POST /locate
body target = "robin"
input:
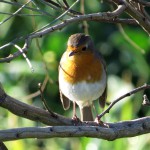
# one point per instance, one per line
(82, 75)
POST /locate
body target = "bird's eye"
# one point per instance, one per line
(84, 48)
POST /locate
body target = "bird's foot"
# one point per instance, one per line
(76, 120)
(101, 123)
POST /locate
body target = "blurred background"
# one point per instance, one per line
(128, 66)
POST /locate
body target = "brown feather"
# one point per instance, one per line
(81, 69)
(102, 98)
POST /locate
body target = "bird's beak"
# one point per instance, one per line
(72, 53)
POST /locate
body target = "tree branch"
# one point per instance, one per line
(15, 12)
(2, 146)
(134, 12)
(35, 113)
(111, 131)
(31, 112)
(115, 131)
(88, 129)
(90, 17)
(143, 2)
(26, 7)
(16, 54)
(102, 17)
(111, 17)
(123, 96)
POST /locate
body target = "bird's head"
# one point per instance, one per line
(79, 44)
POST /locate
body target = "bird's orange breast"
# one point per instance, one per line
(81, 67)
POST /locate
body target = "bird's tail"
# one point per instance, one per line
(86, 113)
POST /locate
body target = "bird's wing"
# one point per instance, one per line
(102, 98)
(65, 101)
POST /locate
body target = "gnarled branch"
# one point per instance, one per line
(136, 13)
(114, 131)
(101, 17)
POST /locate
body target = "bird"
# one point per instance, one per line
(82, 75)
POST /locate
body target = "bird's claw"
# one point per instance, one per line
(76, 120)
(101, 123)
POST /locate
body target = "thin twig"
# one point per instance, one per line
(143, 2)
(73, 20)
(16, 12)
(31, 112)
(26, 7)
(66, 11)
(145, 86)
(66, 3)
(41, 52)
(16, 54)
(85, 24)
(44, 101)
(25, 56)
(143, 21)
(37, 93)
(101, 17)
(26, 15)
(52, 4)
(45, 65)
(96, 16)
(41, 9)
(58, 18)
(130, 40)
(55, 5)
(108, 17)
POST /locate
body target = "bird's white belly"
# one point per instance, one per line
(82, 93)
